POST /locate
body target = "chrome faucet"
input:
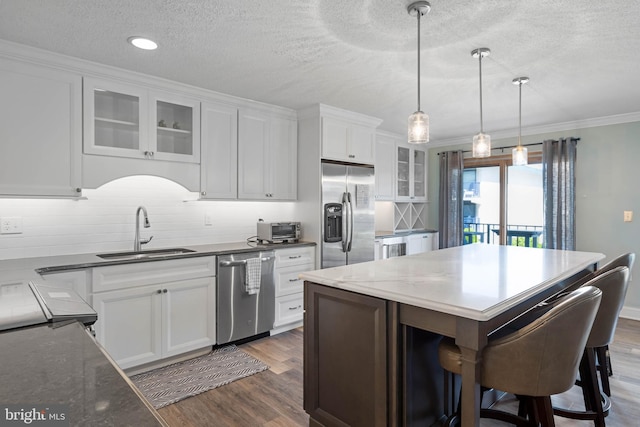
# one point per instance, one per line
(137, 242)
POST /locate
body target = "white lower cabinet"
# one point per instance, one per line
(159, 318)
(289, 288)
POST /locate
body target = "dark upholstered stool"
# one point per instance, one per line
(536, 361)
(602, 353)
(613, 284)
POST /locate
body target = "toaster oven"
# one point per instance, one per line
(278, 232)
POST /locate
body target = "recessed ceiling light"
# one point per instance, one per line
(142, 43)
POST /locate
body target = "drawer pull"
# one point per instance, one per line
(295, 257)
(295, 308)
(294, 280)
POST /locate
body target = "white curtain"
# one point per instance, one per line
(558, 171)
(450, 208)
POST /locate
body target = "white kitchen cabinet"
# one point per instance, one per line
(41, 131)
(419, 242)
(289, 288)
(79, 281)
(219, 152)
(385, 166)
(411, 173)
(175, 127)
(154, 310)
(349, 142)
(267, 156)
(126, 120)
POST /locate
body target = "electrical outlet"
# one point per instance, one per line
(11, 225)
(628, 216)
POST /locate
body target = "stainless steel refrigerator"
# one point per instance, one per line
(348, 230)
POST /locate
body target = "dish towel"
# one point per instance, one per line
(252, 276)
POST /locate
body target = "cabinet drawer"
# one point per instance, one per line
(289, 309)
(287, 281)
(295, 256)
(153, 272)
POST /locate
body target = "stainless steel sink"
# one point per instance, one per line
(145, 254)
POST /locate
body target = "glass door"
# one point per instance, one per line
(114, 118)
(175, 128)
(502, 203)
(481, 205)
(525, 206)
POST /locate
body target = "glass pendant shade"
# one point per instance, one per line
(418, 128)
(519, 156)
(481, 145)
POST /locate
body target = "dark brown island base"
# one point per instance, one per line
(371, 330)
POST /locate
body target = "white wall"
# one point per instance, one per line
(105, 221)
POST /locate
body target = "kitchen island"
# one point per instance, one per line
(372, 329)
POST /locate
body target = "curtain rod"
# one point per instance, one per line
(509, 146)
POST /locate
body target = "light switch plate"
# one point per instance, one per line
(628, 216)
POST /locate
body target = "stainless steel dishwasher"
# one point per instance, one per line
(240, 314)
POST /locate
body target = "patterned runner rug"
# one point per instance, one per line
(172, 383)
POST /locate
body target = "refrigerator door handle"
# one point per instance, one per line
(350, 219)
(345, 224)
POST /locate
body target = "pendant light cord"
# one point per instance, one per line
(480, 67)
(418, 13)
(519, 114)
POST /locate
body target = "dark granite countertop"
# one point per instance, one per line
(28, 268)
(63, 365)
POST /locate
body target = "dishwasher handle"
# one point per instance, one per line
(240, 262)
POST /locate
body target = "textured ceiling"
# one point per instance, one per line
(361, 54)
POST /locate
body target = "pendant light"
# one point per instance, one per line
(519, 153)
(481, 141)
(418, 132)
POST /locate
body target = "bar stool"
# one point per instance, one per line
(602, 353)
(613, 284)
(536, 361)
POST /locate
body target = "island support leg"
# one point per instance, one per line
(470, 396)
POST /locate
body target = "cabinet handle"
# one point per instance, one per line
(294, 280)
(164, 291)
(78, 190)
(159, 291)
(295, 257)
(295, 308)
(204, 193)
(352, 156)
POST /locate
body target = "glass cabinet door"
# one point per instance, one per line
(411, 180)
(403, 173)
(419, 181)
(114, 116)
(175, 128)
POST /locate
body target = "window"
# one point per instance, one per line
(503, 204)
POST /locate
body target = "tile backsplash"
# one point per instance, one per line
(104, 220)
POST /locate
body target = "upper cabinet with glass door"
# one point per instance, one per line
(411, 173)
(130, 121)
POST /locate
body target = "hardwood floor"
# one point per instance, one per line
(273, 398)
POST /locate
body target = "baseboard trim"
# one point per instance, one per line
(630, 313)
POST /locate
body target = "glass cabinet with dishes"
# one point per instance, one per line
(411, 173)
(130, 121)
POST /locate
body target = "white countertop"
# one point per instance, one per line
(476, 281)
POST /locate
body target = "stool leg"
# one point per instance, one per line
(593, 387)
(604, 367)
(544, 411)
